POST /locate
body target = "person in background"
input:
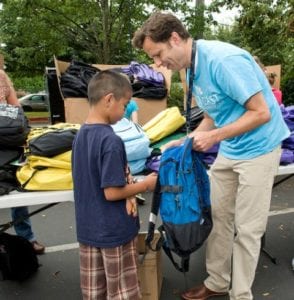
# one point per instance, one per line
(132, 111)
(104, 192)
(24, 229)
(277, 93)
(271, 78)
(258, 61)
(242, 114)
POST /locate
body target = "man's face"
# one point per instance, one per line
(169, 54)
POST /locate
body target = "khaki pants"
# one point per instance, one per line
(240, 195)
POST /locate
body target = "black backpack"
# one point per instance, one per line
(14, 126)
(18, 260)
(52, 143)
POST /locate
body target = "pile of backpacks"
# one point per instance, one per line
(14, 129)
(48, 158)
(44, 153)
(168, 125)
(137, 144)
(146, 82)
(287, 156)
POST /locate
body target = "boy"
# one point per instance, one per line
(106, 214)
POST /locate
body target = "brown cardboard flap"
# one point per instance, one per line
(277, 70)
(141, 241)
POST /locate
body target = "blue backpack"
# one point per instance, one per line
(182, 195)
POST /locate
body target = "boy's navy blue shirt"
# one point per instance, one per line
(99, 161)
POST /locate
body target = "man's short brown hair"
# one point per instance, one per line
(159, 27)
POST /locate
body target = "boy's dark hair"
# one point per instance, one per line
(159, 27)
(106, 82)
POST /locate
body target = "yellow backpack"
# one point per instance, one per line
(46, 174)
(43, 172)
(164, 124)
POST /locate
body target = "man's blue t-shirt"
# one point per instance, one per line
(99, 161)
(225, 78)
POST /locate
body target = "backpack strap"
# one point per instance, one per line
(189, 92)
(36, 168)
(153, 217)
(184, 266)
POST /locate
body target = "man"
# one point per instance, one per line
(242, 114)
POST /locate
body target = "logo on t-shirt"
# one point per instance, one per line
(205, 101)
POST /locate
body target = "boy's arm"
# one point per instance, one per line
(118, 193)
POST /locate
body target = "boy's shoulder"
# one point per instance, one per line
(99, 132)
(97, 128)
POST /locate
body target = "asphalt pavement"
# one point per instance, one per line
(58, 277)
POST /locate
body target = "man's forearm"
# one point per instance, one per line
(249, 121)
(206, 124)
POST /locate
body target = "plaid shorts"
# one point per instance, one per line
(109, 273)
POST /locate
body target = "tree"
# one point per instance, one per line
(264, 28)
(35, 30)
(96, 31)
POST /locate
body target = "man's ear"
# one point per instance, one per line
(175, 38)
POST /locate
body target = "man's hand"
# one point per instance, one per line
(203, 140)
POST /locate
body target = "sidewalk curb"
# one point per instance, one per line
(39, 120)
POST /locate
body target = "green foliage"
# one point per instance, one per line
(176, 96)
(28, 84)
(264, 29)
(288, 91)
(37, 114)
(33, 31)
(87, 30)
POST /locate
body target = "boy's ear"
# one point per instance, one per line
(108, 98)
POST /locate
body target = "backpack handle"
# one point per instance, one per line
(153, 217)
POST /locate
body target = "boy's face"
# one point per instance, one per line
(118, 107)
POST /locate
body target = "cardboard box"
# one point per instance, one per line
(76, 109)
(150, 270)
(277, 70)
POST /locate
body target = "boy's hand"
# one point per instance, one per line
(150, 181)
(131, 206)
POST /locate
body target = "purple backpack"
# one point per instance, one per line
(288, 115)
(142, 72)
(287, 157)
(210, 155)
(153, 163)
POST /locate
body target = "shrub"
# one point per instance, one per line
(176, 96)
(288, 92)
(32, 84)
